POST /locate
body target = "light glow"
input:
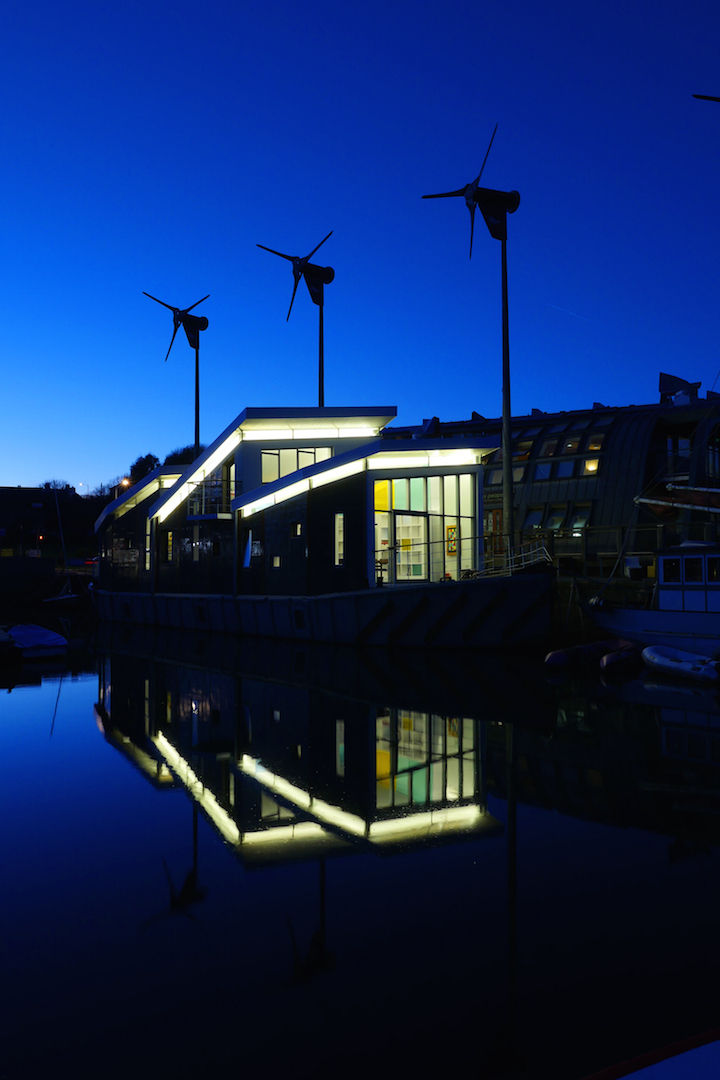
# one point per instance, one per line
(198, 475)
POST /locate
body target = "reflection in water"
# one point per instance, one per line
(411, 865)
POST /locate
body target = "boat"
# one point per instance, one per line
(684, 610)
(680, 664)
(28, 641)
(318, 524)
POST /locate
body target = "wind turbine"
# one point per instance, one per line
(468, 192)
(316, 278)
(494, 207)
(706, 97)
(192, 325)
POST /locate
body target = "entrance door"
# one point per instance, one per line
(411, 547)
(493, 530)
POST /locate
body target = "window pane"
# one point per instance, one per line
(400, 495)
(322, 453)
(549, 448)
(555, 517)
(542, 470)
(580, 517)
(437, 548)
(590, 466)
(533, 518)
(522, 449)
(434, 495)
(305, 458)
(288, 461)
(382, 494)
(595, 441)
(417, 493)
(270, 466)
(518, 473)
(494, 476)
(467, 493)
(450, 491)
(694, 570)
(570, 445)
(670, 569)
(565, 469)
(713, 568)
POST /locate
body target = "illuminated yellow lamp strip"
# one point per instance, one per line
(169, 481)
(427, 823)
(284, 834)
(339, 473)
(411, 460)
(202, 795)
(358, 432)
(454, 457)
(267, 434)
(330, 815)
(208, 466)
(317, 433)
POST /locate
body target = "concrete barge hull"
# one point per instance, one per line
(490, 612)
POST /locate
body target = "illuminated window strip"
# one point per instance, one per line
(202, 795)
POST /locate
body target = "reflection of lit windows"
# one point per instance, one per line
(169, 547)
(518, 473)
(533, 518)
(713, 568)
(589, 466)
(549, 448)
(596, 440)
(494, 476)
(543, 470)
(278, 463)
(555, 517)
(276, 561)
(570, 445)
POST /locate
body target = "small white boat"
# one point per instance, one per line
(28, 641)
(677, 663)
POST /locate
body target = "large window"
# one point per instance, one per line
(425, 527)
(279, 463)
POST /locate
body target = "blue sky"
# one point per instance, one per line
(151, 147)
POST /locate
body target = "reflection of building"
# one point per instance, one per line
(317, 513)
(286, 771)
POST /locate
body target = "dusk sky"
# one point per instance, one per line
(151, 147)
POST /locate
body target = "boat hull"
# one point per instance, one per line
(691, 631)
(497, 612)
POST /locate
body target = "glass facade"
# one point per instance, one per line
(425, 528)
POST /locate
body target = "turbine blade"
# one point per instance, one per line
(308, 257)
(292, 298)
(274, 252)
(185, 310)
(472, 227)
(172, 339)
(706, 97)
(444, 194)
(477, 178)
(160, 301)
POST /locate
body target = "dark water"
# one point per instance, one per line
(219, 860)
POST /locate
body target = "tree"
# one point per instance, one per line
(142, 466)
(185, 455)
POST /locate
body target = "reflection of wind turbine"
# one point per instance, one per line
(469, 192)
(318, 958)
(189, 892)
(192, 325)
(316, 278)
